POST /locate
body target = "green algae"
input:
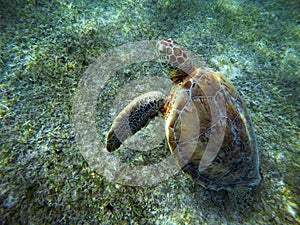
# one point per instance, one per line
(44, 178)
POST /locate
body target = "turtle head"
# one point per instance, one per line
(171, 53)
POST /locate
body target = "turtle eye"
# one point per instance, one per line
(170, 42)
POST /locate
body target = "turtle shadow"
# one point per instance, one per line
(236, 205)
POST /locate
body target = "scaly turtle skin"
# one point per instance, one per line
(207, 126)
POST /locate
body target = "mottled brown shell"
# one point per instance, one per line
(207, 125)
(210, 133)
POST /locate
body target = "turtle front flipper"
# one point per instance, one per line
(134, 117)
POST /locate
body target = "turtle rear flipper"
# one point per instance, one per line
(134, 117)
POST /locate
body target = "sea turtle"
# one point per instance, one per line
(207, 126)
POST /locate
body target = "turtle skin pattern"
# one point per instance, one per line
(133, 117)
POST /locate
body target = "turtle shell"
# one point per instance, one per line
(210, 133)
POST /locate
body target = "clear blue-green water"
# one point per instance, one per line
(46, 47)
